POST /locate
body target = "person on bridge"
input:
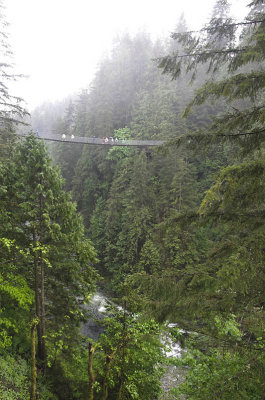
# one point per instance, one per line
(63, 136)
(72, 136)
(106, 140)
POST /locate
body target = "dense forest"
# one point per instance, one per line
(173, 235)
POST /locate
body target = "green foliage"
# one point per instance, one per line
(117, 153)
(215, 47)
(228, 326)
(49, 214)
(14, 382)
(128, 358)
(15, 294)
(13, 378)
(68, 364)
(63, 153)
(184, 231)
(221, 372)
(223, 291)
(43, 250)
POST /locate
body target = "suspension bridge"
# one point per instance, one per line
(110, 141)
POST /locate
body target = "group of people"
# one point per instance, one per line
(64, 136)
(106, 140)
(110, 140)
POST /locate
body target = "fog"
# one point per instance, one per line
(59, 43)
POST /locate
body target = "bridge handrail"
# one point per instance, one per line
(97, 141)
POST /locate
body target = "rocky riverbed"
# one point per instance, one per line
(173, 377)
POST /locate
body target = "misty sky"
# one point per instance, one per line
(59, 43)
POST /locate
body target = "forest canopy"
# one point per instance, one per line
(173, 235)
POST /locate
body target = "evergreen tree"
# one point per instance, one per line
(242, 122)
(11, 107)
(43, 220)
(15, 297)
(219, 292)
(65, 154)
(229, 125)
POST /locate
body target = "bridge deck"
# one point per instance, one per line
(98, 141)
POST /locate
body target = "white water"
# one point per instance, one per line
(98, 310)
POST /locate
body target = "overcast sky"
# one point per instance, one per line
(59, 43)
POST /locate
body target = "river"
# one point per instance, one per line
(173, 376)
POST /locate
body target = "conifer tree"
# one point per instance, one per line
(219, 294)
(44, 221)
(64, 154)
(242, 122)
(11, 107)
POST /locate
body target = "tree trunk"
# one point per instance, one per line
(120, 389)
(90, 373)
(43, 343)
(105, 382)
(43, 346)
(124, 329)
(36, 287)
(33, 361)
